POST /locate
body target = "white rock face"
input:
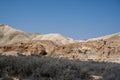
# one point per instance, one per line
(105, 37)
(11, 35)
(6, 29)
(54, 37)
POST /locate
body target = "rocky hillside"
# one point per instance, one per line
(9, 35)
(102, 50)
(16, 42)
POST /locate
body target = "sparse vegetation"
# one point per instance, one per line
(48, 68)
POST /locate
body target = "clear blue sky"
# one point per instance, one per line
(78, 19)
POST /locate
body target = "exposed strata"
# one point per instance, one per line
(16, 42)
(92, 50)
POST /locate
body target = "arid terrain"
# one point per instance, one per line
(25, 56)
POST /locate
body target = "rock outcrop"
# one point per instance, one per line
(37, 47)
(9, 35)
(16, 42)
(58, 38)
(23, 48)
(102, 49)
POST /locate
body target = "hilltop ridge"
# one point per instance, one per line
(16, 42)
(10, 35)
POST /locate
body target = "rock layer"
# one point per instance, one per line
(16, 42)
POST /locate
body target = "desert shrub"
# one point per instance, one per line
(49, 68)
(7, 78)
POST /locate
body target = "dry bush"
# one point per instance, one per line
(48, 68)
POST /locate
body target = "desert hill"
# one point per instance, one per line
(115, 36)
(16, 42)
(25, 56)
(10, 35)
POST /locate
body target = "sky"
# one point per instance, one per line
(78, 19)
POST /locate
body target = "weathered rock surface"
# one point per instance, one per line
(23, 48)
(37, 47)
(96, 50)
(16, 42)
(59, 39)
(9, 35)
